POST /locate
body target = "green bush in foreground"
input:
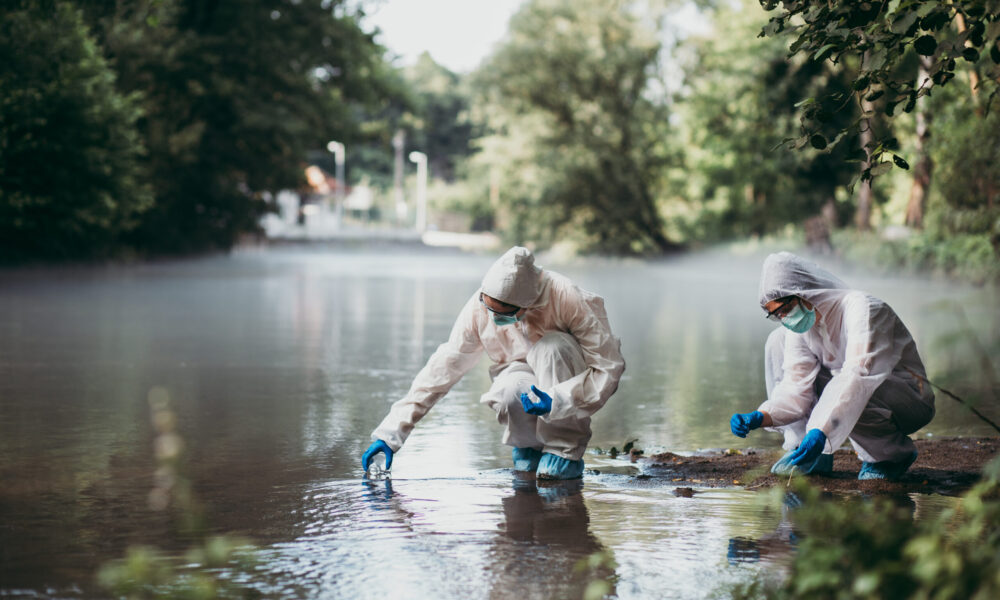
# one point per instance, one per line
(148, 573)
(873, 548)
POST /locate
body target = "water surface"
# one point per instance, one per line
(279, 363)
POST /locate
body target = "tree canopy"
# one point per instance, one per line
(70, 175)
(877, 38)
(569, 103)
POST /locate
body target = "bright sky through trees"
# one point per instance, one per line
(457, 33)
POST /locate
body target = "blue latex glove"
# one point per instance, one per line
(376, 447)
(809, 449)
(742, 423)
(542, 407)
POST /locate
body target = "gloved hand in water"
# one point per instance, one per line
(376, 447)
(809, 449)
(542, 407)
(742, 423)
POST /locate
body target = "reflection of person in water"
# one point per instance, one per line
(785, 538)
(778, 544)
(546, 533)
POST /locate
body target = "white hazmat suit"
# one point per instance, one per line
(855, 374)
(563, 344)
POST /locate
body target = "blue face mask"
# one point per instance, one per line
(799, 319)
(502, 320)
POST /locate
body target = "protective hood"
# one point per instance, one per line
(514, 278)
(785, 274)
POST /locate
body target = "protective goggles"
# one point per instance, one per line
(782, 310)
(497, 312)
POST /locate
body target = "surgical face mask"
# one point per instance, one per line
(502, 320)
(799, 319)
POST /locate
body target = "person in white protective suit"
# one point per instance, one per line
(555, 363)
(843, 366)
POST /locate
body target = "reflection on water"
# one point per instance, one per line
(279, 364)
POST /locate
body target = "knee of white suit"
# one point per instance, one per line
(555, 358)
(505, 393)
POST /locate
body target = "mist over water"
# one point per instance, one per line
(279, 363)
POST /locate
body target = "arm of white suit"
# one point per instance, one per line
(584, 394)
(446, 366)
(870, 357)
(793, 396)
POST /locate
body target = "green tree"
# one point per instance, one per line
(236, 94)
(577, 130)
(443, 129)
(878, 35)
(738, 105)
(71, 182)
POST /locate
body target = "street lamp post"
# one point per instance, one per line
(421, 159)
(339, 151)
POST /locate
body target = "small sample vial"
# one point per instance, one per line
(376, 468)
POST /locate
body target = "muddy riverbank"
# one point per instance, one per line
(944, 466)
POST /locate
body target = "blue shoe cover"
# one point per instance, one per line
(557, 467)
(526, 459)
(823, 465)
(886, 469)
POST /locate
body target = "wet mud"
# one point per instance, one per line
(946, 466)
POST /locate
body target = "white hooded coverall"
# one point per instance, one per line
(855, 374)
(563, 344)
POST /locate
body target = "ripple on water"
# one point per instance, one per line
(489, 535)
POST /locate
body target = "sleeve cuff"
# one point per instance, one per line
(562, 406)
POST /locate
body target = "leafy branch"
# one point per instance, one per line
(877, 37)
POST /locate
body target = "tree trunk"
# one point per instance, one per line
(863, 212)
(973, 72)
(923, 167)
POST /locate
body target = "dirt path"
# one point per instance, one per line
(944, 466)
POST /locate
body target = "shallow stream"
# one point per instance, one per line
(279, 363)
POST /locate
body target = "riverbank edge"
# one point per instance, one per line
(947, 466)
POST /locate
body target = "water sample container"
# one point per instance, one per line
(376, 468)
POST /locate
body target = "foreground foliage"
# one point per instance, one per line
(874, 548)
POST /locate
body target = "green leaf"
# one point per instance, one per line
(902, 24)
(941, 77)
(824, 52)
(877, 60)
(970, 54)
(881, 168)
(925, 45)
(773, 27)
(995, 52)
(857, 155)
(818, 141)
(797, 44)
(861, 83)
(902, 164)
(935, 20)
(874, 95)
